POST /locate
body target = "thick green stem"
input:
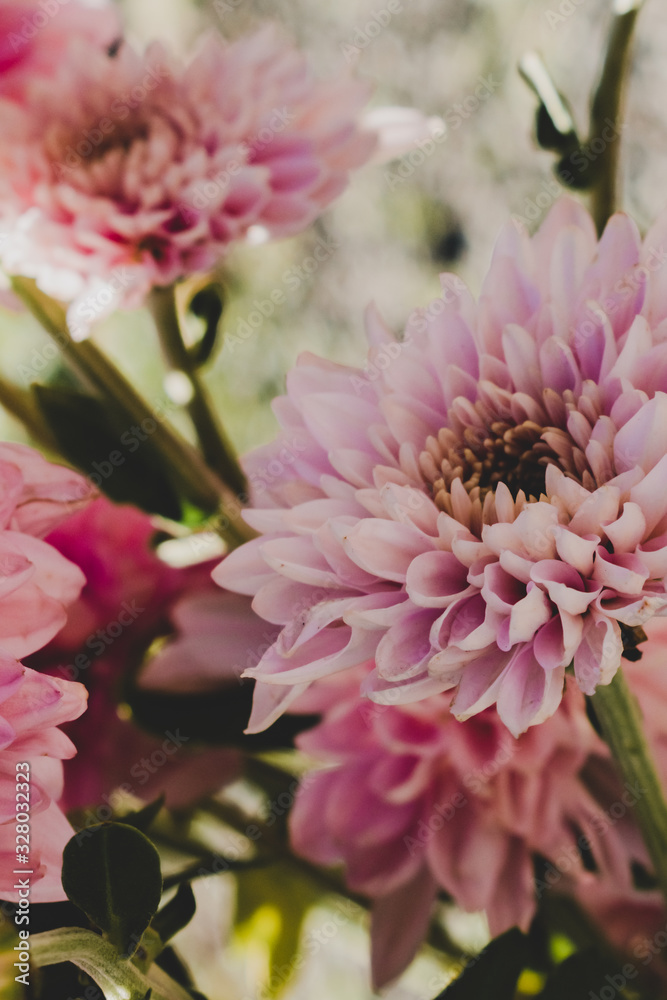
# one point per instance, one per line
(116, 977)
(607, 110)
(216, 449)
(622, 725)
(199, 484)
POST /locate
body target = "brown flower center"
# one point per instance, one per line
(482, 457)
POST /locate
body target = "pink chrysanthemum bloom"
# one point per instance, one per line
(486, 502)
(416, 802)
(34, 34)
(32, 706)
(132, 171)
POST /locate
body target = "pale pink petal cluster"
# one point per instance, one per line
(132, 170)
(35, 35)
(485, 503)
(32, 706)
(36, 585)
(413, 802)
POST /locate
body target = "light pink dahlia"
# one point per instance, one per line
(413, 802)
(36, 582)
(35, 34)
(32, 706)
(486, 502)
(132, 170)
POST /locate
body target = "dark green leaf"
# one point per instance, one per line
(494, 973)
(584, 973)
(119, 460)
(142, 818)
(112, 873)
(175, 914)
(207, 305)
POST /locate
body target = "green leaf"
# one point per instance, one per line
(120, 460)
(494, 973)
(112, 873)
(583, 973)
(176, 914)
(207, 305)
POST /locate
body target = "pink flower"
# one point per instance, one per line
(34, 36)
(36, 585)
(32, 706)
(156, 168)
(131, 599)
(36, 582)
(486, 502)
(413, 802)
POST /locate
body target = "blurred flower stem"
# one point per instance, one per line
(619, 716)
(117, 977)
(607, 109)
(198, 484)
(216, 449)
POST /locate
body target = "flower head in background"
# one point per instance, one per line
(156, 168)
(131, 600)
(34, 37)
(413, 802)
(486, 502)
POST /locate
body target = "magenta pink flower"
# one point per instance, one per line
(486, 502)
(34, 35)
(156, 168)
(32, 706)
(413, 801)
(132, 598)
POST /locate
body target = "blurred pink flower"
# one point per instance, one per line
(486, 501)
(36, 585)
(155, 168)
(413, 801)
(34, 34)
(32, 706)
(131, 599)
(36, 582)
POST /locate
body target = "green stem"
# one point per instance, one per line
(216, 449)
(198, 483)
(116, 977)
(607, 107)
(21, 405)
(619, 715)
